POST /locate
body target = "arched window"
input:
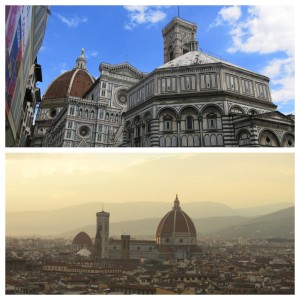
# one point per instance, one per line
(171, 55)
(107, 116)
(80, 113)
(101, 114)
(288, 140)
(212, 121)
(206, 140)
(128, 133)
(117, 118)
(268, 139)
(186, 48)
(72, 110)
(167, 123)
(92, 114)
(148, 127)
(252, 112)
(137, 129)
(86, 113)
(236, 110)
(189, 123)
(112, 117)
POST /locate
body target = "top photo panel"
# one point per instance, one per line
(149, 76)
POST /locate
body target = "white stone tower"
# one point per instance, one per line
(179, 38)
(102, 235)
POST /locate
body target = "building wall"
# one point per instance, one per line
(137, 249)
(25, 28)
(99, 115)
(201, 106)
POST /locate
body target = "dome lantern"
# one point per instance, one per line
(81, 61)
(176, 203)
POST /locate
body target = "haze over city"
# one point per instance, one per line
(50, 181)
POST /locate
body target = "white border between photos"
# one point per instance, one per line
(151, 150)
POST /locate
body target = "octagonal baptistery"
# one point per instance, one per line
(176, 234)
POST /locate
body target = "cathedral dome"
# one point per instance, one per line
(71, 83)
(176, 227)
(82, 238)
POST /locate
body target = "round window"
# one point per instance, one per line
(53, 113)
(122, 98)
(84, 131)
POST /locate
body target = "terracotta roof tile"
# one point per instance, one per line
(60, 87)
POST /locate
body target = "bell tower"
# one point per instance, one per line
(102, 235)
(179, 38)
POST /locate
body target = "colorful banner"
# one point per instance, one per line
(10, 26)
(12, 64)
(17, 30)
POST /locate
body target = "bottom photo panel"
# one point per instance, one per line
(150, 223)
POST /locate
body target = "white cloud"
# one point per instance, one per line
(265, 30)
(93, 53)
(139, 14)
(284, 90)
(228, 15)
(72, 22)
(281, 73)
(277, 67)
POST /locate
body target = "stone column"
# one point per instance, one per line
(155, 133)
(200, 120)
(178, 133)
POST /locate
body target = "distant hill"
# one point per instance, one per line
(278, 224)
(208, 226)
(136, 228)
(81, 216)
(261, 210)
(147, 227)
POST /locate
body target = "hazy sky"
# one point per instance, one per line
(44, 181)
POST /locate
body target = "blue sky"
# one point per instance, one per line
(248, 36)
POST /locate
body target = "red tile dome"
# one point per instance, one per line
(82, 238)
(174, 225)
(71, 83)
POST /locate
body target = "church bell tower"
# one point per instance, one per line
(179, 38)
(102, 236)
